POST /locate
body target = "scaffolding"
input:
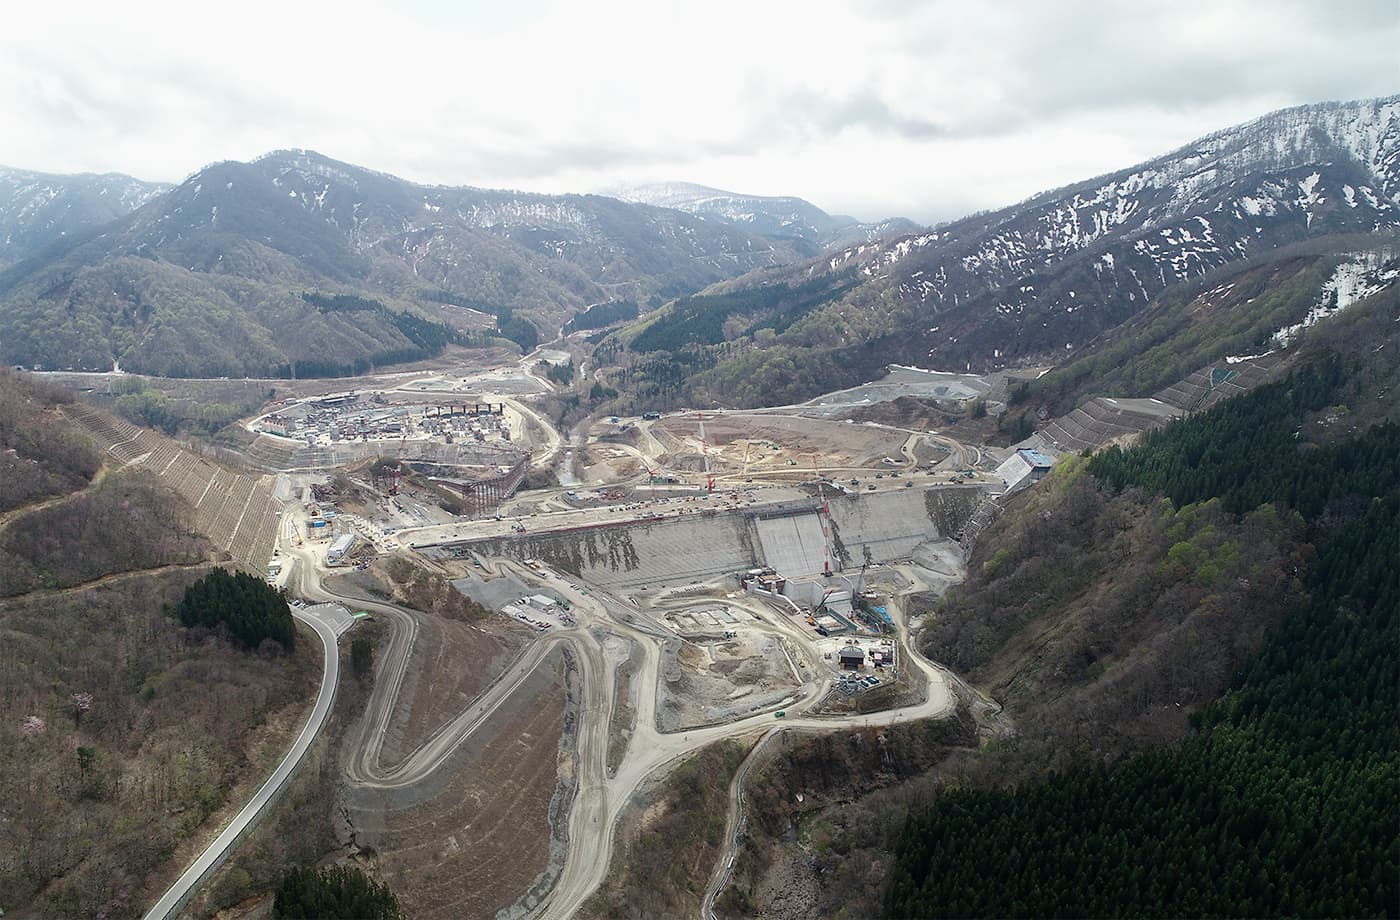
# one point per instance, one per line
(483, 497)
(474, 409)
(386, 478)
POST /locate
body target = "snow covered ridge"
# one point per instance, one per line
(26, 195)
(782, 216)
(38, 208)
(1061, 267)
(1327, 168)
(1362, 275)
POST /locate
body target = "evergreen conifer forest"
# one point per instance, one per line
(1283, 800)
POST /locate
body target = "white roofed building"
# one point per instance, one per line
(1025, 464)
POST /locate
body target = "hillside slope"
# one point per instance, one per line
(1041, 279)
(37, 209)
(1260, 779)
(225, 255)
(1101, 618)
(121, 732)
(1264, 305)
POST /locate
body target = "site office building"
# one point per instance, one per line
(340, 547)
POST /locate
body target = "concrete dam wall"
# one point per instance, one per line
(793, 544)
(879, 527)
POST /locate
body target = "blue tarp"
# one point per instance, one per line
(1035, 457)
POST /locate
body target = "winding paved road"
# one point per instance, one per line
(214, 855)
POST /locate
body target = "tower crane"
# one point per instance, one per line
(705, 452)
(825, 518)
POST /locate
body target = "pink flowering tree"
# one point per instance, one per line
(81, 703)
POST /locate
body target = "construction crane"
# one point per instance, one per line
(820, 608)
(705, 452)
(386, 479)
(825, 518)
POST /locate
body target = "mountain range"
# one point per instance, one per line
(1036, 281)
(228, 253)
(774, 217)
(105, 270)
(37, 209)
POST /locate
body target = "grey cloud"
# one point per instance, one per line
(528, 161)
(1075, 57)
(816, 116)
(925, 77)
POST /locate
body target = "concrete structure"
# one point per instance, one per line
(890, 525)
(1025, 464)
(481, 497)
(879, 527)
(817, 591)
(852, 658)
(541, 602)
(339, 547)
(793, 544)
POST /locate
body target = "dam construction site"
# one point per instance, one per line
(796, 539)
(561, 617)
(588, 542)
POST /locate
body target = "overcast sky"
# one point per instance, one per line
(873, 108)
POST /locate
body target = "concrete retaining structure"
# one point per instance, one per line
(879, 527)
(793, 545)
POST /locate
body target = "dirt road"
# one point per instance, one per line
(734, 822)
(600, 798)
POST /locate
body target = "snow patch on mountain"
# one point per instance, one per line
(38, 208)
(1169, 212)
(784, 217)
(1360, 276)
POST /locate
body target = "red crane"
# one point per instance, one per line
(705, 452)
(825, 518)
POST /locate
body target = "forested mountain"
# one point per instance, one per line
(1282, 799)
(101, 689)
(776, 217)
(1193, 647)
(226, 255)
(37, 209)
(1040, 280)
(1263, 305)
